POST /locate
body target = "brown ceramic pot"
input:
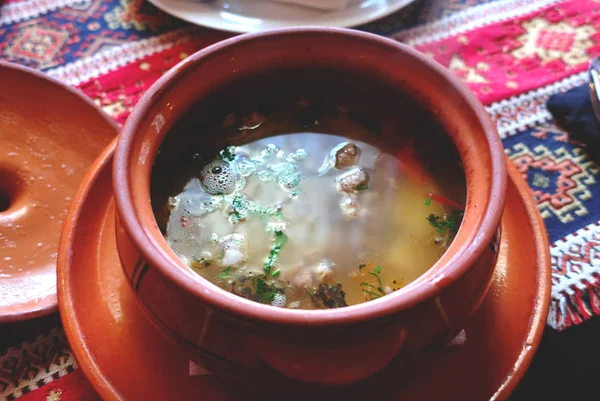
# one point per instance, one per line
(334, 346)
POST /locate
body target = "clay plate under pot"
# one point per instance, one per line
(127, 358)
(50, 136)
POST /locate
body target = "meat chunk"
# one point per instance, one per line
(353, 180)
(347, 156)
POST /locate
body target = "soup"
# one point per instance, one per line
(307, 201)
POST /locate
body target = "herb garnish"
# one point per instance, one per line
(362, 187)
(374, 291)
(448, 225)
(228, 154)
(265, 293)
(260, 287)
(224, 275)
(280, 240)
(238, 210)
(428, 202)
(241, 208)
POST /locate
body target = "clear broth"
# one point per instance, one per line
(288, 231)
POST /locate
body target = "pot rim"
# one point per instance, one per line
(425, 287)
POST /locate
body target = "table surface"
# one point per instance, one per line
(512, 53)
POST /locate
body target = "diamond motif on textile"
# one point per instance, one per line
(38, 45)
(560, 41)
(559, 178)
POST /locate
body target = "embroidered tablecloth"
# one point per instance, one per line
(512, 53)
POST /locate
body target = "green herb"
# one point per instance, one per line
(268, 297)
(377, 274)
(241, 208)
(373, 291)
(328, 296)
(362, 187)
(448, 224)
(238, 208)
(228, 154)
(260, 287)
(265, 293)
(276, 273)
(427, 202)
(280, 240)
(224, 275)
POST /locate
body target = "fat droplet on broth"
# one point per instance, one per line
(219, 178)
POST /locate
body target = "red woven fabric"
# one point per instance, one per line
(515, 56)
(118, 91)
(72, 387)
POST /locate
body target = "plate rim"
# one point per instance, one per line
(49, 303)
(347, 22)
(108, 391)
(537, 322)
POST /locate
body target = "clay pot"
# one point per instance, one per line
(335, 346)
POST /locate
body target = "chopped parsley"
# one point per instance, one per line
(448, 224)
(228, 154)
(280, 240)
(224, 275)
(260, 287)
(241, 208)
(265, 293)
(238, 209)
(427, 202)
(362, 187)
(371, 290)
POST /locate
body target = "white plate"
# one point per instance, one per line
(258, 15)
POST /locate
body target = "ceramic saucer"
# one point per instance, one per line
(243, 16)
(50, 135)
(127, 357)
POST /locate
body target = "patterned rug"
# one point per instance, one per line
(512, 53)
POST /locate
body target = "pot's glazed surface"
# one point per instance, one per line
(222, 330)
